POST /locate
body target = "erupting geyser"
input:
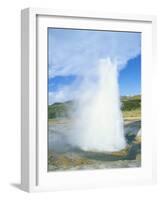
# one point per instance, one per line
(100, 124)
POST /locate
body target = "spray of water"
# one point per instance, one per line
(100, 125)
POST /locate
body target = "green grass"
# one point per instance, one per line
(131, 107)
(131, 103)
(132, 114)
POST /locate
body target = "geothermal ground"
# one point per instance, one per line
(62, 156)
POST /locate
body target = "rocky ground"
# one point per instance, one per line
(62, 157)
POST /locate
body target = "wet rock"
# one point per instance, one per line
(131, 130)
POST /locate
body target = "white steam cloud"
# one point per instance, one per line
(99, 125)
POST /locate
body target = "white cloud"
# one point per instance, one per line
(64, 93)
(79, 52)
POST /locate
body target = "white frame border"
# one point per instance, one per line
(29, 85)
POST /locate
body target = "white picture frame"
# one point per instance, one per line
(34, 176)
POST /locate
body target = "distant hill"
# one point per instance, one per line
(135, 97)
(65, 109)
(131, 102)
(61, 110)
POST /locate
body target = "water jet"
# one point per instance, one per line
(100, 124)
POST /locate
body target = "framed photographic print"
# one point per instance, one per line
(87, 110)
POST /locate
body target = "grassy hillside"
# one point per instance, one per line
(60, 110)
(131, 107)
(131, 103)
(135, 97)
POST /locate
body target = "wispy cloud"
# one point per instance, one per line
(64, 93)
(77, 52)
(73, 52)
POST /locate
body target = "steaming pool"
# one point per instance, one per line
(63, 156)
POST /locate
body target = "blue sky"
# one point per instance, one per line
(130, 77)
(73, 56)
